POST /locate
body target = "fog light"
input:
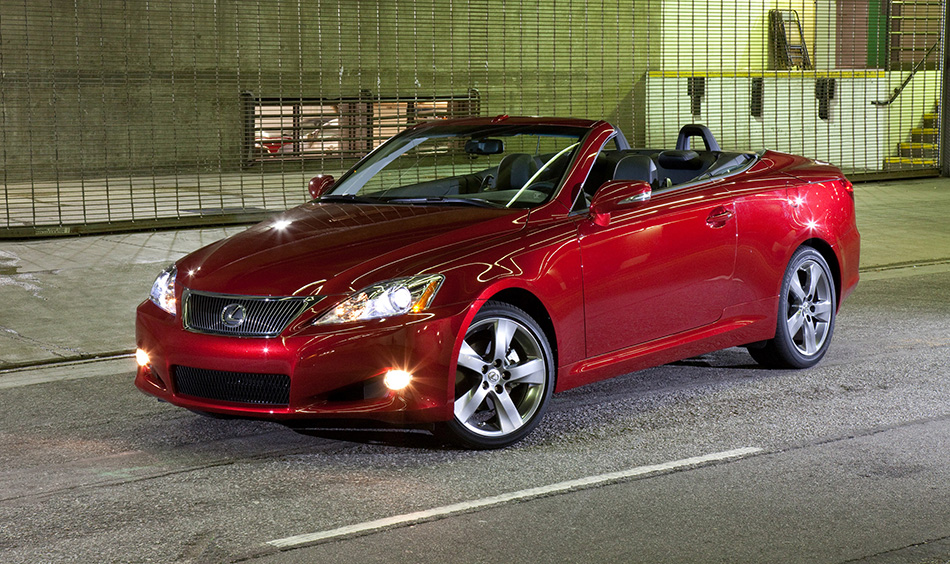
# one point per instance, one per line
(397, 379)
(141, 357)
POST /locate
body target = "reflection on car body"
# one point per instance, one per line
(467, 269)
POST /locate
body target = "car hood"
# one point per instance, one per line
(326, 248)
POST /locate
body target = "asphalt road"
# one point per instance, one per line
(846, 462)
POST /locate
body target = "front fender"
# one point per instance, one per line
(531, 264)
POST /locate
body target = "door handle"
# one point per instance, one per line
(719, 216)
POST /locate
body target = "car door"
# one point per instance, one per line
(661, 268)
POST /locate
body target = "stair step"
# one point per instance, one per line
(917, 150)
(905, 162)
(921, 151)
(924, 135)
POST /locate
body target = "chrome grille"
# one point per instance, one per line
(238, 387)
(241, 316)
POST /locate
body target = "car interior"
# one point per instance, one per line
(663, 169)
(668, 168)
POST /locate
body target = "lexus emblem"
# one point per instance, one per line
(233, 315)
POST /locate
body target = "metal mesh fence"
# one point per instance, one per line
(124, 115)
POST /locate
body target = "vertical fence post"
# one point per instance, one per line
(944, 97)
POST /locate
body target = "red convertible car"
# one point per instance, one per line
(467, 269)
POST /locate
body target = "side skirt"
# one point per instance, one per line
(739, 325)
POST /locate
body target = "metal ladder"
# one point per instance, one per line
(787, 41)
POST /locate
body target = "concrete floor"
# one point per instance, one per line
(74, 298)
(851, 463)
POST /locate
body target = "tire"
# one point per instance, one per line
(504, 379)
(806, 314)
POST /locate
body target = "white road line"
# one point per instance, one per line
(531, 493)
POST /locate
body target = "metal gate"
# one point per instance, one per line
(118, 115)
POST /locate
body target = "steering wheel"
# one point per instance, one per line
(487, 183)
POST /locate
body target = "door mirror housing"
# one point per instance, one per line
(617, 195)
(319, 185)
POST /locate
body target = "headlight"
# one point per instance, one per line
(163, 290)
(386, 299)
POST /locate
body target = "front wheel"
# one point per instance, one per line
(504, 379)
(806, 317)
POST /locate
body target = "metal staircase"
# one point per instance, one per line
(914, 31)
(914, 25)
(921, 149)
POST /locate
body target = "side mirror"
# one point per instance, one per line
(616, 195)
(319, 185)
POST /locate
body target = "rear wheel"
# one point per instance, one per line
(806, 317)
(504, 379)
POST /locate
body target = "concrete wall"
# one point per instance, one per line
(727, 44)
(723, 34)
(853, 137)
(118, 88)
(857, 135)
(129, 88)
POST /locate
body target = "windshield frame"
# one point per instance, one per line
(354, 180)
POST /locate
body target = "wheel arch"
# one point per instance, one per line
(828, 253)
(533, 306)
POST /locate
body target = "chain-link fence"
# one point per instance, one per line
(124, 115)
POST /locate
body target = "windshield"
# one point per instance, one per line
(509, 166)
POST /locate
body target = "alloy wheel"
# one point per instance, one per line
(810, 308)
(502, 377)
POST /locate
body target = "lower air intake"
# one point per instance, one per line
(237, 387)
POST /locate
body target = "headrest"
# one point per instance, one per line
(680, 160)
(515, 170)
(635, 167)
(697, 130)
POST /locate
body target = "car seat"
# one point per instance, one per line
(514, 171)
(636, 167)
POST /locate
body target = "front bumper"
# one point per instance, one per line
(334, 372)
